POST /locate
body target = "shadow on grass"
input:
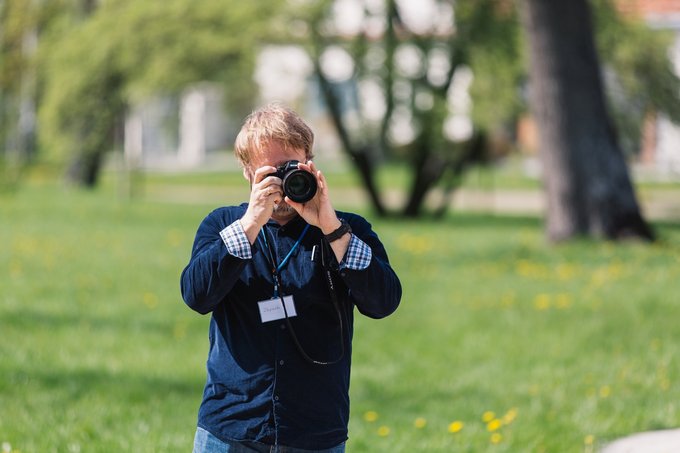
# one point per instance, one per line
(72, 385)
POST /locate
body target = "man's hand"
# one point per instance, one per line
(319, 211)
(265, 193)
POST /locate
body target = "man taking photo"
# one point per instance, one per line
(281, 276)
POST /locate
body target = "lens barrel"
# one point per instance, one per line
(298, 185)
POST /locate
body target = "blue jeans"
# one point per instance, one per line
(204, 442)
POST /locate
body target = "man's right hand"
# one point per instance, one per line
(265, 193)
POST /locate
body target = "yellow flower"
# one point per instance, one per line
(542, 302)
(488, 416)
(493, 425)
(605, 391)
(420, 422)
(456, 426)
(150, 300)
(563, 301)
(496, 438)
(383, 431)
(589, 439)
(510, 416)
(371, 416)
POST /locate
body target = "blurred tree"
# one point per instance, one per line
(639, 75)
(24, 24)
(410, 69)
(589, 192)
(127, 50)
(19, 25)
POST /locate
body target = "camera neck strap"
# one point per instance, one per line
(276, 270)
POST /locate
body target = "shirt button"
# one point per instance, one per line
(283, 327)
(281, 362)
(276, 398)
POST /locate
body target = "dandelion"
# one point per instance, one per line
(174, 238)
(417, 245)
(510, 416)
(496, 438)
(508, 300)
(605, 391)
(383, 431)
(589, 439)
(525, 268)
(371, 416)
(456, 427)
(488, 416)
(420, 423)
(566, 271)
(563, 301)
(179, 332)
(6, 447)
(542, 302)
(494, 425)
(150, 300)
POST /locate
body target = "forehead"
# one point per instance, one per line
(275, 154)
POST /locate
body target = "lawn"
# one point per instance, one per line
(502, 342)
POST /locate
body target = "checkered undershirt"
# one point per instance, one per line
(357, 257)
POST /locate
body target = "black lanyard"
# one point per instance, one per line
(276, 269)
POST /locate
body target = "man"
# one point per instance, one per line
(281, 279)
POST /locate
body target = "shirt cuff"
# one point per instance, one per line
(234, 237)
(358, 255)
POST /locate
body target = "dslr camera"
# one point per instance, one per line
(298, 185)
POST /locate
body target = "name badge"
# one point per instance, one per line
(272, 310)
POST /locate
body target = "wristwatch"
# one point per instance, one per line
(343, 229)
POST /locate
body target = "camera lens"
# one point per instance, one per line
(299, 185)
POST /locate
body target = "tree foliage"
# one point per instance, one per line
(411, 68)
(414, 69)
(127, 50)
(638, 72)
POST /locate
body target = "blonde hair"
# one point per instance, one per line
(273, 122)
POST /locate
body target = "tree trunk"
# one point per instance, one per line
(589, 192)
(83, 170)
(360, 156)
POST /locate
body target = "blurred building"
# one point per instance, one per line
(187, 131)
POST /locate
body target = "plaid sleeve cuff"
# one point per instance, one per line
(358, 255)
(236, 241)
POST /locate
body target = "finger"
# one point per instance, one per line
(322, 180)
(310, 167)
(273, 190)
(305, 167)
(262, 173)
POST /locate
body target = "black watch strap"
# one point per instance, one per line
(343, 229)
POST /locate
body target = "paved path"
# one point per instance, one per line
(656, 204)
(666, 441)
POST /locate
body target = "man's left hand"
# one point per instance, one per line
(318, 211)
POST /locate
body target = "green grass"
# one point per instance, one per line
(99, 353)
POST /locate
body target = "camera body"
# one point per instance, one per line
(298, 185)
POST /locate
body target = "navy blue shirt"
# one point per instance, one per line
(259, 387)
